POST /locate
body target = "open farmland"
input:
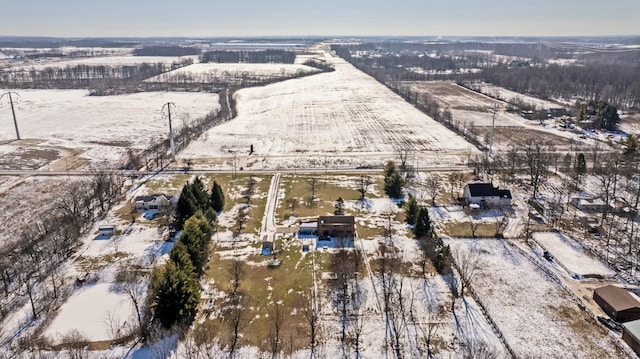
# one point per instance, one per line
(223, 72)
(103, 125)
(511, 96)
(101, 61)
(343, 112)
(537, 318)
(473, 112)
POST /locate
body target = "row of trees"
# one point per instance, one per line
(174, 290)
(262, 56)
(166, 51)
(85, 76)
(393, 63)
(194, 197)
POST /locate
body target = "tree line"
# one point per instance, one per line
(261, 56)
(166, 51)
(598, 79)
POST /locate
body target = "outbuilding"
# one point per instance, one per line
(631, 335)
(618, 303)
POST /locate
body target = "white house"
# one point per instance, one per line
(155, 201)
(486, 195)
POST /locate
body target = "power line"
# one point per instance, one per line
(173, 148)
(15, 122)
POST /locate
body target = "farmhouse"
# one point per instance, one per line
(617, 303)
(631, 335)
(485, 194)
(336, 226)
(155, 202)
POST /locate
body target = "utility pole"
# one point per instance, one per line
(173, 148)
(493, 126)
(13, 111)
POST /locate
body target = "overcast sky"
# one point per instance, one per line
(212, 18)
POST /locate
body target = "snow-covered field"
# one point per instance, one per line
(104, 125)
(215, 72)
(537, 318)
(571, 255)
(104, 61)
(344, 112)
(508, 95)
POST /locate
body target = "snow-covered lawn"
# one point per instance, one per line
(571, 256)
(344, 112)
(96, 311)
(212, 72)
(102, 124)
(537, 317)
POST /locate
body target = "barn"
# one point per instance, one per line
(618, 303)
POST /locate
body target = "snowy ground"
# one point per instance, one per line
(571, 255)
(508, 95)
(215, 72)
(537, 318)
(104, 61)
(104, 125)
(97, 310)
(343, 112)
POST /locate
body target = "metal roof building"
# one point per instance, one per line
(631, 335)
(617, 302)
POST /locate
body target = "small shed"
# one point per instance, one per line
(618, 303)
(107, 230)
(631, 335)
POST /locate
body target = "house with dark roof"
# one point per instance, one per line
(618, 303)
(336, 226)
(486, 195)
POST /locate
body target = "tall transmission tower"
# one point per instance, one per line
(173, 147)
(13, 111)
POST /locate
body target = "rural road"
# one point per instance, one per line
(268, 229)
(226, 171)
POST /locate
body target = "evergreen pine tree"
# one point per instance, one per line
(200, 194)
(422, 227)
(180, 256)
(411, 209)
(175, 295)
(186, 206)
(217, 197)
